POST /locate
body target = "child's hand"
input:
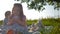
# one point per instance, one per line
(9, 23)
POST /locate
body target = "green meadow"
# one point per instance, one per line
(47, 22)
(52, 22)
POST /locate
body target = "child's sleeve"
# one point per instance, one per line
(3, 22)
(10, 21)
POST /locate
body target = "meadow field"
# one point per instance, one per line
(46, 22)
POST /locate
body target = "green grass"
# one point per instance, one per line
(47, 22)
(1, 22)
(51, 21)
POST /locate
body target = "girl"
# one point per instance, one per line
(18, 19)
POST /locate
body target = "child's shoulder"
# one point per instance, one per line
(5, 18)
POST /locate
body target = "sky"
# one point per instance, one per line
(7, 5)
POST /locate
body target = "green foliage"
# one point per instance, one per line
(38, 4)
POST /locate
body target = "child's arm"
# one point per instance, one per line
(10, 21)
(5, 22)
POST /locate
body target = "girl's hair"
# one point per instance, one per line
(21, 10)
(7, 13)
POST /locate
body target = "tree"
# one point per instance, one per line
(39, 4)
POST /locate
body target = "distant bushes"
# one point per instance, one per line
(51, 21)
(46, 22)
(29, 22)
